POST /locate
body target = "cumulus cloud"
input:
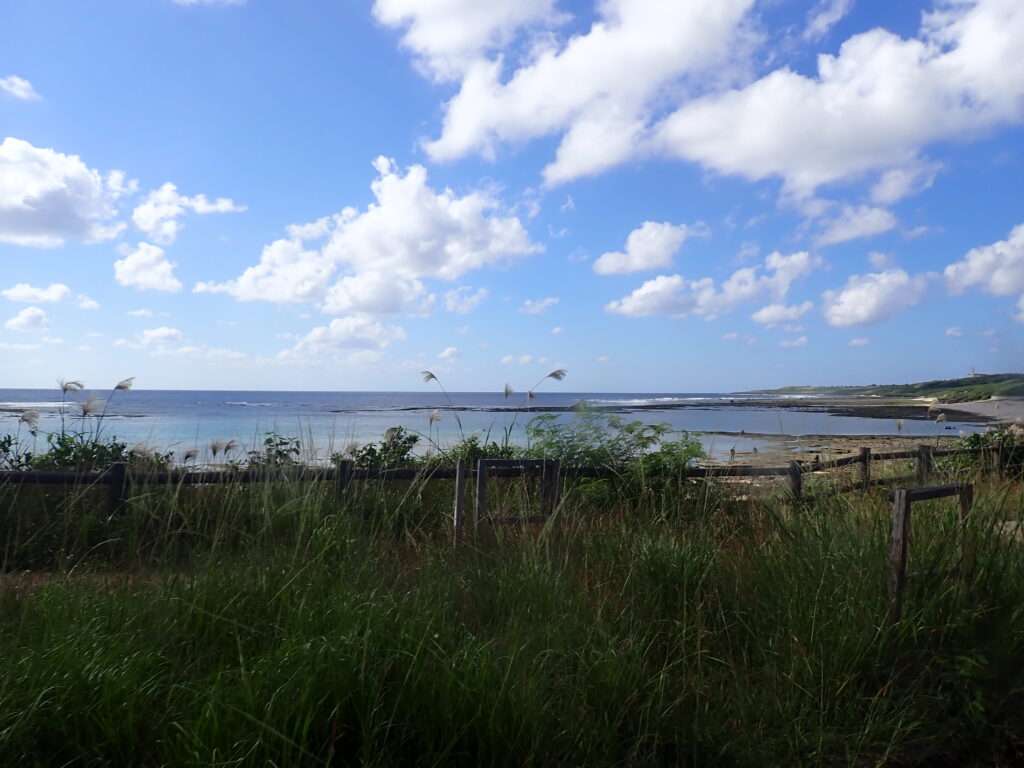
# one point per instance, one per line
(596, 89)
(449, 354)
(872, 298)
(858, 342)
(825, 15)
(675, 296)
(376, 293)
(538, 306)
(793, 343)
(146, 268)
(23, 292)
(29, 320)
(47, 197)
(651, 246)
(161, 335)
(343, 337)
(462, 300)
(776, 314)
(856, 222)
(412, 232)
(159, 212)
(84, 302)
(517, 359)
(18, 87)
(874, 106)
(897, 183)
(955, 332)
(447, 36)
(997, 268)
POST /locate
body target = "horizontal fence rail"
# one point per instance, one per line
(119, 478)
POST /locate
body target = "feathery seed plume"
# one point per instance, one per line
(70, 386)
(29, 417)
(125, 385)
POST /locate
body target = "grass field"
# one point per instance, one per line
(654, 624)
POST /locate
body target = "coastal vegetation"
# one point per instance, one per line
(655, 619)
(970, 388)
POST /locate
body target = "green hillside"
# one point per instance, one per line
(980, 387)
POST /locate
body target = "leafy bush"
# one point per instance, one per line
(598, 439)
(278, 451)
(395, 450)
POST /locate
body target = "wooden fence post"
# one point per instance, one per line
(898, 553)
(966, 502)
(865, 468)
(481, 494)
(549, 486)
(796, 480)
(1000, 459)
(117, 486)
(344, 475)
(459, 516)
(924, 462)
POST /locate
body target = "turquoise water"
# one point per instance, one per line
(181, 420)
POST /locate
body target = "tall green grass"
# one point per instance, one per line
(284, 624)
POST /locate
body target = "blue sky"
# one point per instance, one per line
(656, 195)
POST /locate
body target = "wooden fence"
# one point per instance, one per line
(119, 480)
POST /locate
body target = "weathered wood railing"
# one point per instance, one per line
(119, 479)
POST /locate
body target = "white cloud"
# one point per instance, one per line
(18, 87)
(602, 359)
(447, 36)
(597, 89)
(775, 314)
(84, 302)
(517, 359)
(449, 354)
(538, 306)
(158, 214)
(856, 222)
(650, 246)
(29, 320)
(461, 301)
(955, 332)
(879, 260)
(997, 268)
(27, 294)
(740, 338)
(675, 296)
(376, 293)
(146, 268)
(146, 313)
(51, 340)
(342, 337)
(825, 15)
(793, 343)
(897, 183)
(858, 342)
(47, 197)
(872, 298)
(410, 233)
(161, 335)
(874, 106)
(557, 329)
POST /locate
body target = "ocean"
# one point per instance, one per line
(180, 420)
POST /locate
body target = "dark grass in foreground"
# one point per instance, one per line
(660, 624)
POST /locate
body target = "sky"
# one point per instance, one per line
(656, 195)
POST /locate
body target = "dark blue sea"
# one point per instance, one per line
(332, 421)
